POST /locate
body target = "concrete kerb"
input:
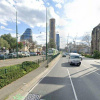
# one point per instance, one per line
(24, 90)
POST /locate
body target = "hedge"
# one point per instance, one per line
(11, 73)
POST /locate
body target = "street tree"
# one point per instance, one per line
(4, 43)
(32, 45)
(51, 44)
(87, 40)
(20, 45)
(11, 40)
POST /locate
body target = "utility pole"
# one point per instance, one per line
(46, 33)
(67, 42)
(16, 36)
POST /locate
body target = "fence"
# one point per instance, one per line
(50, 58)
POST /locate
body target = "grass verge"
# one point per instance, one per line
(11, 73)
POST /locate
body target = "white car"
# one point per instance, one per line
(74, 59)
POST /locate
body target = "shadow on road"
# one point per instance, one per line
(68, 65)
(65, 92)
(98, 66)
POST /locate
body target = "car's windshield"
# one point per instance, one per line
(50, 51)
(74, 57)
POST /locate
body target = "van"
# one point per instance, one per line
(74, 59)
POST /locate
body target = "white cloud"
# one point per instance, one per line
(58, 1)
(48, 3)
(6, 12)
(59, 20)
(40, 38)
(4, 28)
(58, 5)
(84, 15)
(81, 16)
(31, 12)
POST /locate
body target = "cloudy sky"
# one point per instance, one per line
(73, 17)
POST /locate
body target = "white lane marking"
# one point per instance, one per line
(72, 85)
(41, 79)
(95, 70)
(97, 73)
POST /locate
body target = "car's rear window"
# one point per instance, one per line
(74, 57)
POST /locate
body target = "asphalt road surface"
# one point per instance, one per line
(65, 82)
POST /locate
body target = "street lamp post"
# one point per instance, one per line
(16, 36)
(46, 33)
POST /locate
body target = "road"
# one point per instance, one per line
(65, 82)
(9, 62)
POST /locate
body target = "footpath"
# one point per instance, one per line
(23, 85)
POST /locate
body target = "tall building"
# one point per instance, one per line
(95, 42)
(57, 41)
(52, 29)
(27, 35)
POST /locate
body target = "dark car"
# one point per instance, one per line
(33, 54)
(64, 55)
(4, 56)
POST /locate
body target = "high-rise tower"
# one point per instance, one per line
(57, 41)
(52, 29)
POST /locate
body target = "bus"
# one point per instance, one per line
(52, 51)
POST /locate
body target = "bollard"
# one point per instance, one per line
(22, 65)
(4, 57)
(38, 61)
(43, 59)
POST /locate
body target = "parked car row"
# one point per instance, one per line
(14, 55)
(20, 54)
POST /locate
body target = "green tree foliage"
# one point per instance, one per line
(96, 54)
(11, 40)
(20, 45)
(51, 44)
(4, 43)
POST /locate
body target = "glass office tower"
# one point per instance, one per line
(27, 35)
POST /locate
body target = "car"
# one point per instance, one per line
(4, 56)
(74, 59)
(64, 55)
(38, 53)
(27, 54)
(33, 54)
(43, 53)
(81, 56)
(12, 55)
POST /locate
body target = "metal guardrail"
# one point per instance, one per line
(50, 58)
